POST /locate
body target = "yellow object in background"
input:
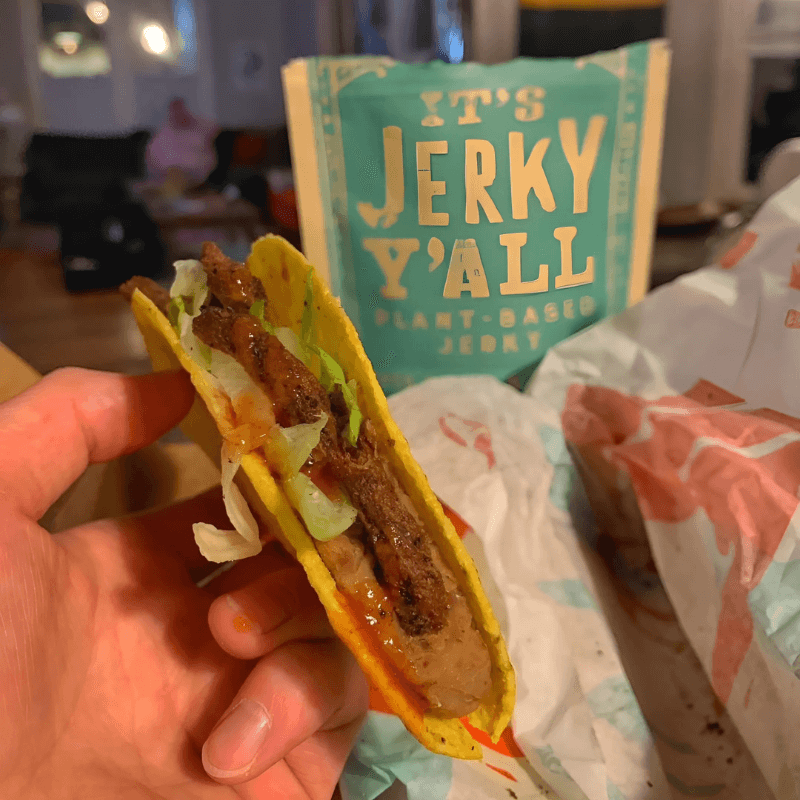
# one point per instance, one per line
(577, 28)
(15, 374)
(593, 5)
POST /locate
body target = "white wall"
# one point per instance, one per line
(79, 105)
(278, 30)
(141, 88)
(11, 53)
(686, 170)
(153, 93)
(15, 72)
(238, 25)
(136, 94)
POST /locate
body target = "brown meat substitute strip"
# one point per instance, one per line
(386, 561)
(147, 286)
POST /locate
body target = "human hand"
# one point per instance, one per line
(114, 667)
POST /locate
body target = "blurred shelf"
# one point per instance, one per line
(775, 45)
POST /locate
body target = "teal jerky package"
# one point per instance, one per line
(469, 217)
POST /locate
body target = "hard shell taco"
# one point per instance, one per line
(289, 406)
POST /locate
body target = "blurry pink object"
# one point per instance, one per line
(472, 434)
(184, 143)
(742, 470)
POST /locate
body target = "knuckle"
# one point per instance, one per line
(69, 375)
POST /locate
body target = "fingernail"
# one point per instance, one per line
(234, 743)
(270, 613)
(241, 620)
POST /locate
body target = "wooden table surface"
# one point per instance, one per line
(49, 328)
(42, 327)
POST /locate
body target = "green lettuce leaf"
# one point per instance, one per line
(324, 518)
(290, 340)
(230, 375)
(331, 372)
(257, 310)
(189, 291)
(176, 307)
(297, 442)
(190, 283)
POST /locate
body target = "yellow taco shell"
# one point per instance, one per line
(284, 271)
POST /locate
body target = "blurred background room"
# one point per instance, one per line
(132, 131)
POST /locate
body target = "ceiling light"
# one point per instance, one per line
(97, 12)
(154, 39)
(68, 41)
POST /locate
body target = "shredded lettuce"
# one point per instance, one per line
(331, 372)
(324, 518)
(286, 336)
(289, 339)
(189, 291)
(190, 281)
(257, 310)
(190, 285)
(333, 375)
(304, 349)
(230, 375)
(176, 307)
(236, 506)
(242, 542)
(297, 442)
(221, 546)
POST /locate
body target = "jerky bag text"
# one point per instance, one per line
(469, 217)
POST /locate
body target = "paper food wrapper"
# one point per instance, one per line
(480, 443)
(648, 583)
(682, 417)
(608, 684)
(470, 216)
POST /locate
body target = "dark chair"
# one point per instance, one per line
(81, 185)
(101, 248)
(62, 172)
(243, 159)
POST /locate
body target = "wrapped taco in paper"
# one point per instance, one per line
(289, 405)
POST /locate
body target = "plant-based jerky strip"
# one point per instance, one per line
(147, 286)
(230, 280)
(432, 639)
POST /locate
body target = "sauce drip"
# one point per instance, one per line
(255, 423)
(377, 618)
(370, 604)
(323, 480)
